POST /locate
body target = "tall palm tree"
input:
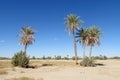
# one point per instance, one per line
(73, 22)
(27, 38)
(82, 34)
(94, 35)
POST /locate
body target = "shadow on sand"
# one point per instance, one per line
(99, 64)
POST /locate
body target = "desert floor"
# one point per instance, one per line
(62, 70)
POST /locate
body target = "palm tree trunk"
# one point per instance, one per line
(84, 51)
(90, 52)
(75, 50)
(25, 47)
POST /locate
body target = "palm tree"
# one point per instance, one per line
(73, 22)
(27, 38)
(94, 35)
(82, 34)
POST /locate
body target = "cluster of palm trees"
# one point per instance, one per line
(86, 36)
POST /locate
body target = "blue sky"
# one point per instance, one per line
(47, 18)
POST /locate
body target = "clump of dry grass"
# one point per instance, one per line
(23, 78)
(3, 72)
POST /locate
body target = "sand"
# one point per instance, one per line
(110, 71)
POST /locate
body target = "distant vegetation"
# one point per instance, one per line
(100, 57)
(4, 58)
(116, 57)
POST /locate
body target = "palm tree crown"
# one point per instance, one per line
(73, 23)
(94, 35)
(82, 34)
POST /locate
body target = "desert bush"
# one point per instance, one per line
(58, 57)
(43, 58)
(73, 58)
(66, 58)
(48, 57)
(20, 60)
(86, 62)
(33, 57)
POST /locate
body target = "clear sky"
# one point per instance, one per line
(47, 18)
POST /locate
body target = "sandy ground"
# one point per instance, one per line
(110, 71)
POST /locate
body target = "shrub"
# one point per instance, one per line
(58, 57)
(86, 62)
(49, 57)
(20, 60)
(66, 58)
(43, 58)
(33, 57)
(73, 58)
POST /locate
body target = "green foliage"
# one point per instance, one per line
(49, 57)
(33, 57)
(101, 57)
(66, 58)
(86, 62)
(20, 60)
(116, 57)
(4, 58)
(73, 58)
(43, 58)
(58, 57)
